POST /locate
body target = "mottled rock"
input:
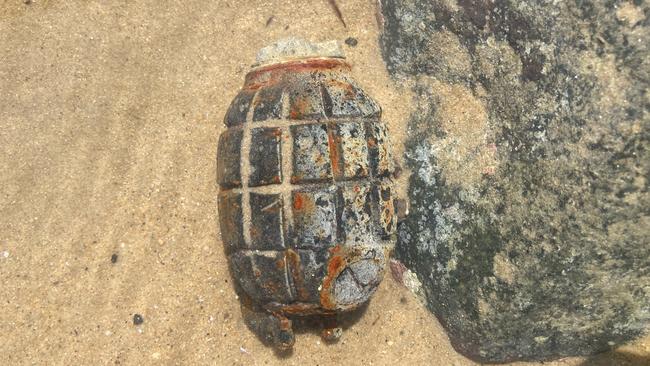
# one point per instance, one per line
(528, 149)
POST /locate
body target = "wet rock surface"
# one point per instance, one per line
(528, 150)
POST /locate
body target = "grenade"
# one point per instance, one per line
(306, 206)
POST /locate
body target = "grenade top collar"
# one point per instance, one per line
(294, 49)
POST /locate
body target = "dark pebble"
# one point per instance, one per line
(351, 41)
(114, 258)
(138, 319)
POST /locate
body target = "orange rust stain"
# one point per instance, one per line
(334, 154)
(253, 86)
(335, 249)
(262, 80)
(347, 88)
(275, 74)
(349, 92)
(302, 202)
(285, 323)
(298, 202)
(335, 265)
(300, 66)
(299, 108)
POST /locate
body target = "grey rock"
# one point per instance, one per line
(529, 154)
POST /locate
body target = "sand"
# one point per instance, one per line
(109, 118)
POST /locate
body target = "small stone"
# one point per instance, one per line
(351, 41)
(114, 258)
(5, 254)
(138, 319)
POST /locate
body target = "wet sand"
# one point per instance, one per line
(109, 118)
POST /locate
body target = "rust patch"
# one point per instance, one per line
(296, 274)
(300, 108)
(347, 88)
(285, 323)
(303, 202)
(298, 202)
(265, 76)
(335, 265)
(335, 249)
(262, 80)
(335, 157)
(309, 64)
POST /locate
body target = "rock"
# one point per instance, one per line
(529, 155)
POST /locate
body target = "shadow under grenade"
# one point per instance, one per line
(306, 205)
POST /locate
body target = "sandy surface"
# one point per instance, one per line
(109, 117)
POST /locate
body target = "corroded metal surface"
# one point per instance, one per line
(306, 207)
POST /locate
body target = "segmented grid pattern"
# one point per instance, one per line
(335, 176)
(339, 176)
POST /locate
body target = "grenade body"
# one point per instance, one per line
(306, 193)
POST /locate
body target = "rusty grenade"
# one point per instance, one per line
(306, 206)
